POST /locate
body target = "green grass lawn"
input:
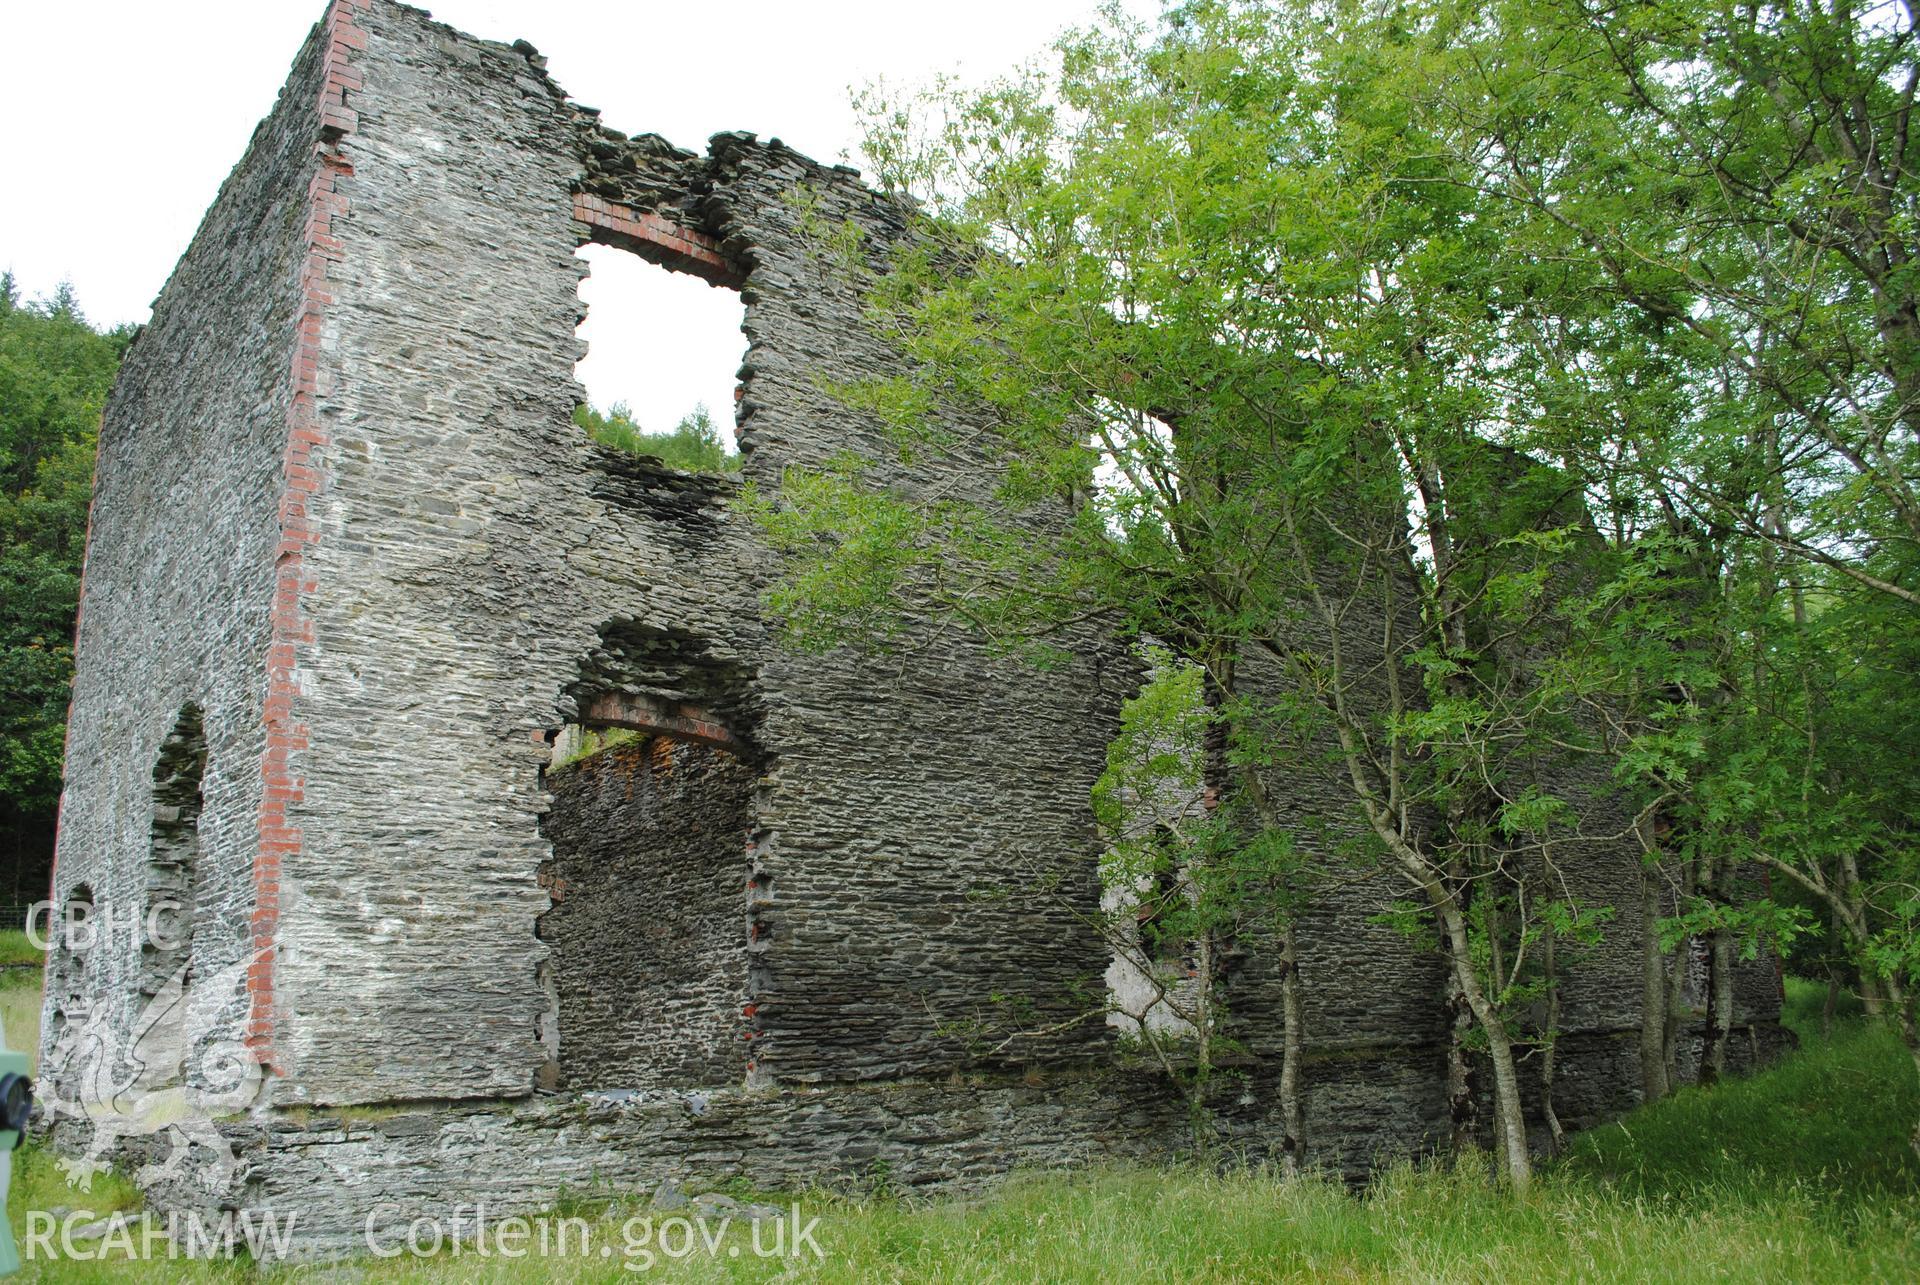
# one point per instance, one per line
(16, 949)
(1802, 1173)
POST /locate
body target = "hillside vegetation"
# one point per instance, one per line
(55, 370)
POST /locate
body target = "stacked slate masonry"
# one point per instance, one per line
(346, 522)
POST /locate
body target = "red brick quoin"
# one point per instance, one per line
(301, 480)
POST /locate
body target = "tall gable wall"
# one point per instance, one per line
(472, 551)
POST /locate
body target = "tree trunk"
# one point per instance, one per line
(1293, 1141)
(1677, 969)
(1461, 1111)
(1713, 1052)
(1654, 1084)
(1200, 1122)
(1836, 946)
(1510, 1121)
(1557, 1136)
(1510, 1126)
(1870, 997)
(1293, 1121)
(1679, 965)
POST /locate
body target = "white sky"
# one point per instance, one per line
(123, 116)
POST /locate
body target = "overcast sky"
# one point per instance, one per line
(123, 116)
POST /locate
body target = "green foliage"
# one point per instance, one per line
(54, 374)
(1763, 922)
(1156, 758)
(856, 549)
(693, 446)
(858, 556)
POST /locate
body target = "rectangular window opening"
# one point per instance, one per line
(665, 355)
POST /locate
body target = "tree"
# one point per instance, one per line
(1238, 310)
(1186, 879)
(1742, 178)
(1737, 182)
(694, 445)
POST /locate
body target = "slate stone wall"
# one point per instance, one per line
(477, 560)
(179, 582)
(909, 868)
(907, 1137)
(648, 925)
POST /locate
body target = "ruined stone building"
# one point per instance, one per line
(351, 567)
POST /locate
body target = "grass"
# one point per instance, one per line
(1801, 1173)
(1829, 1123)
(16, 949)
